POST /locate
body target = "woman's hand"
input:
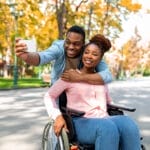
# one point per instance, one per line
(59, 124)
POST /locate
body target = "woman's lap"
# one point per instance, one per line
(108, 131)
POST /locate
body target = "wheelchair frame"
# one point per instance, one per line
(63, 140)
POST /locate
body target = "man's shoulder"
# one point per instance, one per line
(59, 43)
(57, 47)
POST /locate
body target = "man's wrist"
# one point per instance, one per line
(33, 59)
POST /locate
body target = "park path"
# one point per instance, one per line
(22, 119)
(135, 93)
(23, 115)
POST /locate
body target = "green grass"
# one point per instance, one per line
(22, 83)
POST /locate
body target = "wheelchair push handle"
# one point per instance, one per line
(114, 106)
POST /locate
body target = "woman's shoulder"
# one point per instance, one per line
(62, 82)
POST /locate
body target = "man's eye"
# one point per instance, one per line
(67, 42)
(77, 44)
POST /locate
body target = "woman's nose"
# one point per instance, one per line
(89, 56)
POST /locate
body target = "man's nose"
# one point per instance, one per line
(71, 46)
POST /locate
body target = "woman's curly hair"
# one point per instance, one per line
(102, 42)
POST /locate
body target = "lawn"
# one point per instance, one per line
(22, 83)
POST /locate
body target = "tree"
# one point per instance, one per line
(48, 23)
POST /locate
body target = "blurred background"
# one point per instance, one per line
(124, 22)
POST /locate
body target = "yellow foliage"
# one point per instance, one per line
(44, 25)
(129, 5)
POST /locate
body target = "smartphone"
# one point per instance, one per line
(31, 44)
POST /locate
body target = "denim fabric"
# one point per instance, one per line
(107, 133)
(56, 54)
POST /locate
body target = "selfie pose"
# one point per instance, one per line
(65, 55)
(96, 126)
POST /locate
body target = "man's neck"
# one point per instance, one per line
(71, 63)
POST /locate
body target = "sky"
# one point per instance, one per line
(141, 21)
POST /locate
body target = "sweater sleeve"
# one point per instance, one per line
(108, 97)
(51, 97)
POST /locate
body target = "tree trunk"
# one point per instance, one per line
(61, 18)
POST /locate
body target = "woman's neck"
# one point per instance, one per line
(87, 70)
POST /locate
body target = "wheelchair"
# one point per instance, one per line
(51, 142)
(66, 141)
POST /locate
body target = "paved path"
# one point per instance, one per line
(22, 118)
(23, 115)
(135, 93)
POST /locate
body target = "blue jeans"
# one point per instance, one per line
(109, 133)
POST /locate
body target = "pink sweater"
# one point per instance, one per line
(92, 99)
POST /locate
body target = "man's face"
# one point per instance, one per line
(73, 44)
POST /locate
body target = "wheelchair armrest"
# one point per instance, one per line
(114, 106)
(72, 112)
(75, 113)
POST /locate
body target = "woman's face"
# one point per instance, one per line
(91, 56)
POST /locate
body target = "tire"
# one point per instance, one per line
(51, 142)
(143, 147)
(46, 145)
(65, 139)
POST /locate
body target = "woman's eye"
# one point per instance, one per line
(95, 54)
(86, 51)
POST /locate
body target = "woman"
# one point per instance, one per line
(95, 127)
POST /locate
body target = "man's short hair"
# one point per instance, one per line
(77, 29)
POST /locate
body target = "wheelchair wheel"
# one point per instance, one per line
(64, 136)
(143, 147)
(51, 142)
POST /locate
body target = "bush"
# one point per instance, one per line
(146, 72)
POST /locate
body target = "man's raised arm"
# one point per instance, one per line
(31, 58)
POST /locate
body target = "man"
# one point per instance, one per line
(66, 55)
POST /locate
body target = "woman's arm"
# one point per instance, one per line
(52, 107)
(108, 97)
(51, 98)
(54, 113)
